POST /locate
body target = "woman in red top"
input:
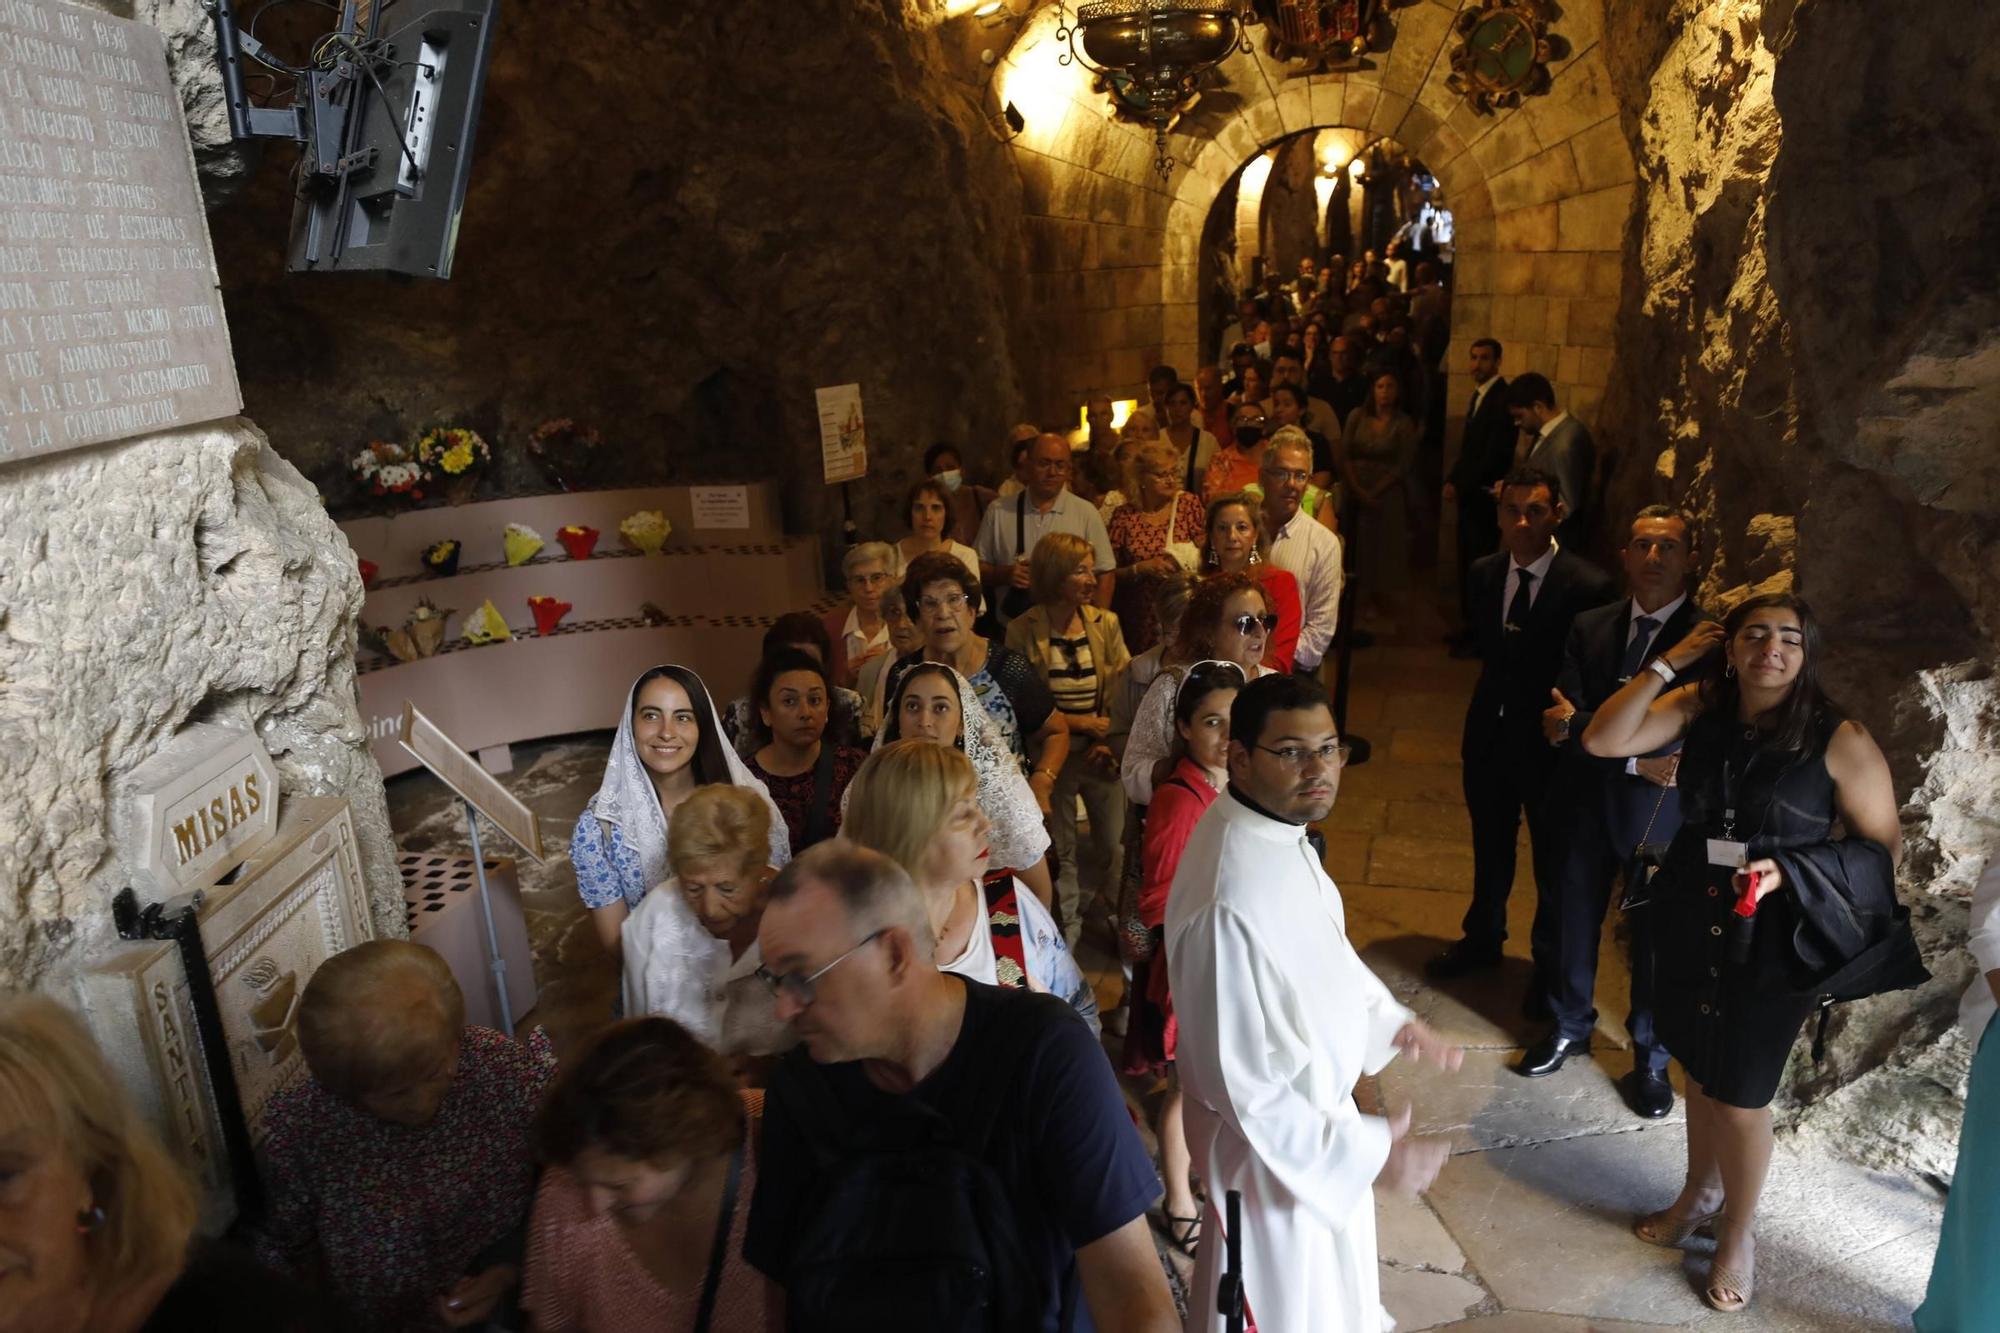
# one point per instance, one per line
(1236, 542)
(1201, 717)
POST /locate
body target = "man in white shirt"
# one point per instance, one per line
(1278, 1019)
(1302, 544)
(1607, 807)
(1008, 533)
(1561, 446)
(1523, 598)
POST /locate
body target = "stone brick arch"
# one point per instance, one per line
(1541, 195)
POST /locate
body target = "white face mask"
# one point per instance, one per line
(949, 480)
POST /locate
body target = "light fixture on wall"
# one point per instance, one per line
(1151, 52)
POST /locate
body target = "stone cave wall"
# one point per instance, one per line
(187, 577)
(1809, 339)
(682, 219)
(190, 576)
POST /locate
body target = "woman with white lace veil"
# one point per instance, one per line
(669, 742)
(931, 701)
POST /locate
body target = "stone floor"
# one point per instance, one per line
(1526, 1229)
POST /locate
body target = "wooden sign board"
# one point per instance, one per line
(466, 776)
(191, 813)
(111, 324)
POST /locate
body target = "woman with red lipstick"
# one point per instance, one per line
(918, 803)
(1788, 810)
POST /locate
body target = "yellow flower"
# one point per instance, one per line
(457, 458)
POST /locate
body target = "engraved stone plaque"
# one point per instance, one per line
(298, 901)
(111, 324)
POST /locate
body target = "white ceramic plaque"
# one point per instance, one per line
(194, 811)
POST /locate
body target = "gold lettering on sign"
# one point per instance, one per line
(212, 822)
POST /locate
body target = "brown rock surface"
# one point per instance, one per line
(1810, 354)
(682, 219)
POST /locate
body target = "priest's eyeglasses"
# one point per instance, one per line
(1331, 755)
(801, 990)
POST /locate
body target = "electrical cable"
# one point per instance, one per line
(250, 31)
(367, 65)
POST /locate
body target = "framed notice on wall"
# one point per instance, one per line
(111, 324)
(843, 435)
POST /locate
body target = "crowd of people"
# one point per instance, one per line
(856, 1077)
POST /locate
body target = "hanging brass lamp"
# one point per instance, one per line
(1152, 52)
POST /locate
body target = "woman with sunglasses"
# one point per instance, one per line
(1201, 722)
(918, 804)
(1236, 545)
(1228, 619)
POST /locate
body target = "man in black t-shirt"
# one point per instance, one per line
(892, 1049)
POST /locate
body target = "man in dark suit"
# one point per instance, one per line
(1607, 807)
(1485, 455)
(1524, 597)
(1562, 446)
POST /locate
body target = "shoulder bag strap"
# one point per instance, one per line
(819, 820)
(1020, 524)
(718, 1252)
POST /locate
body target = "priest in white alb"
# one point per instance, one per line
(1279, 1018)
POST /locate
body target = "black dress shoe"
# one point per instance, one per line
(1546, 1056)
(1462, 959)
(1647, 1093)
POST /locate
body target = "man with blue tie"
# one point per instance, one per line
(1523, 598)
(1609, 806)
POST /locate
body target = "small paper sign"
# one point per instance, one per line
(720, 506)
(843, 436)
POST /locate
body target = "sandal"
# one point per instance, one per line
(1727, 1289)
(1183, 1233)
(1661, 1229)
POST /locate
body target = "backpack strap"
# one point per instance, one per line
(1003, 922)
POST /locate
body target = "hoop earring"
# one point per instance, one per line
(1213, 561)
(1729, 671)
(90, 1220)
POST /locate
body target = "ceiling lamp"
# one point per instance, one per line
(1151, 52)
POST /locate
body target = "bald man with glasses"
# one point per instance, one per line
(1303, 545)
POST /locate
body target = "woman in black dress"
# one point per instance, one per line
(1770, 775)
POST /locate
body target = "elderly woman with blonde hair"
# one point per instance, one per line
(1156, 533)
(1079, 652)
(718, 849)
(918, 804)
(97, 1221)
(401, 1170)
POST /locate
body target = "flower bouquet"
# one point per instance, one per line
(548, 613)
(421, 635)
(646, 531)
(385, 469)
(456, 454)
(565, 451)
(442, 557)
(579, 542)
(369, 569)
(521, 543)
(486, 625)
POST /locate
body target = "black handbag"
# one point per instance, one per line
(1645, 863)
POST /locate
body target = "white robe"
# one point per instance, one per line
(1279, 1018)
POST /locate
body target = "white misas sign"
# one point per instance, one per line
(195, 811)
